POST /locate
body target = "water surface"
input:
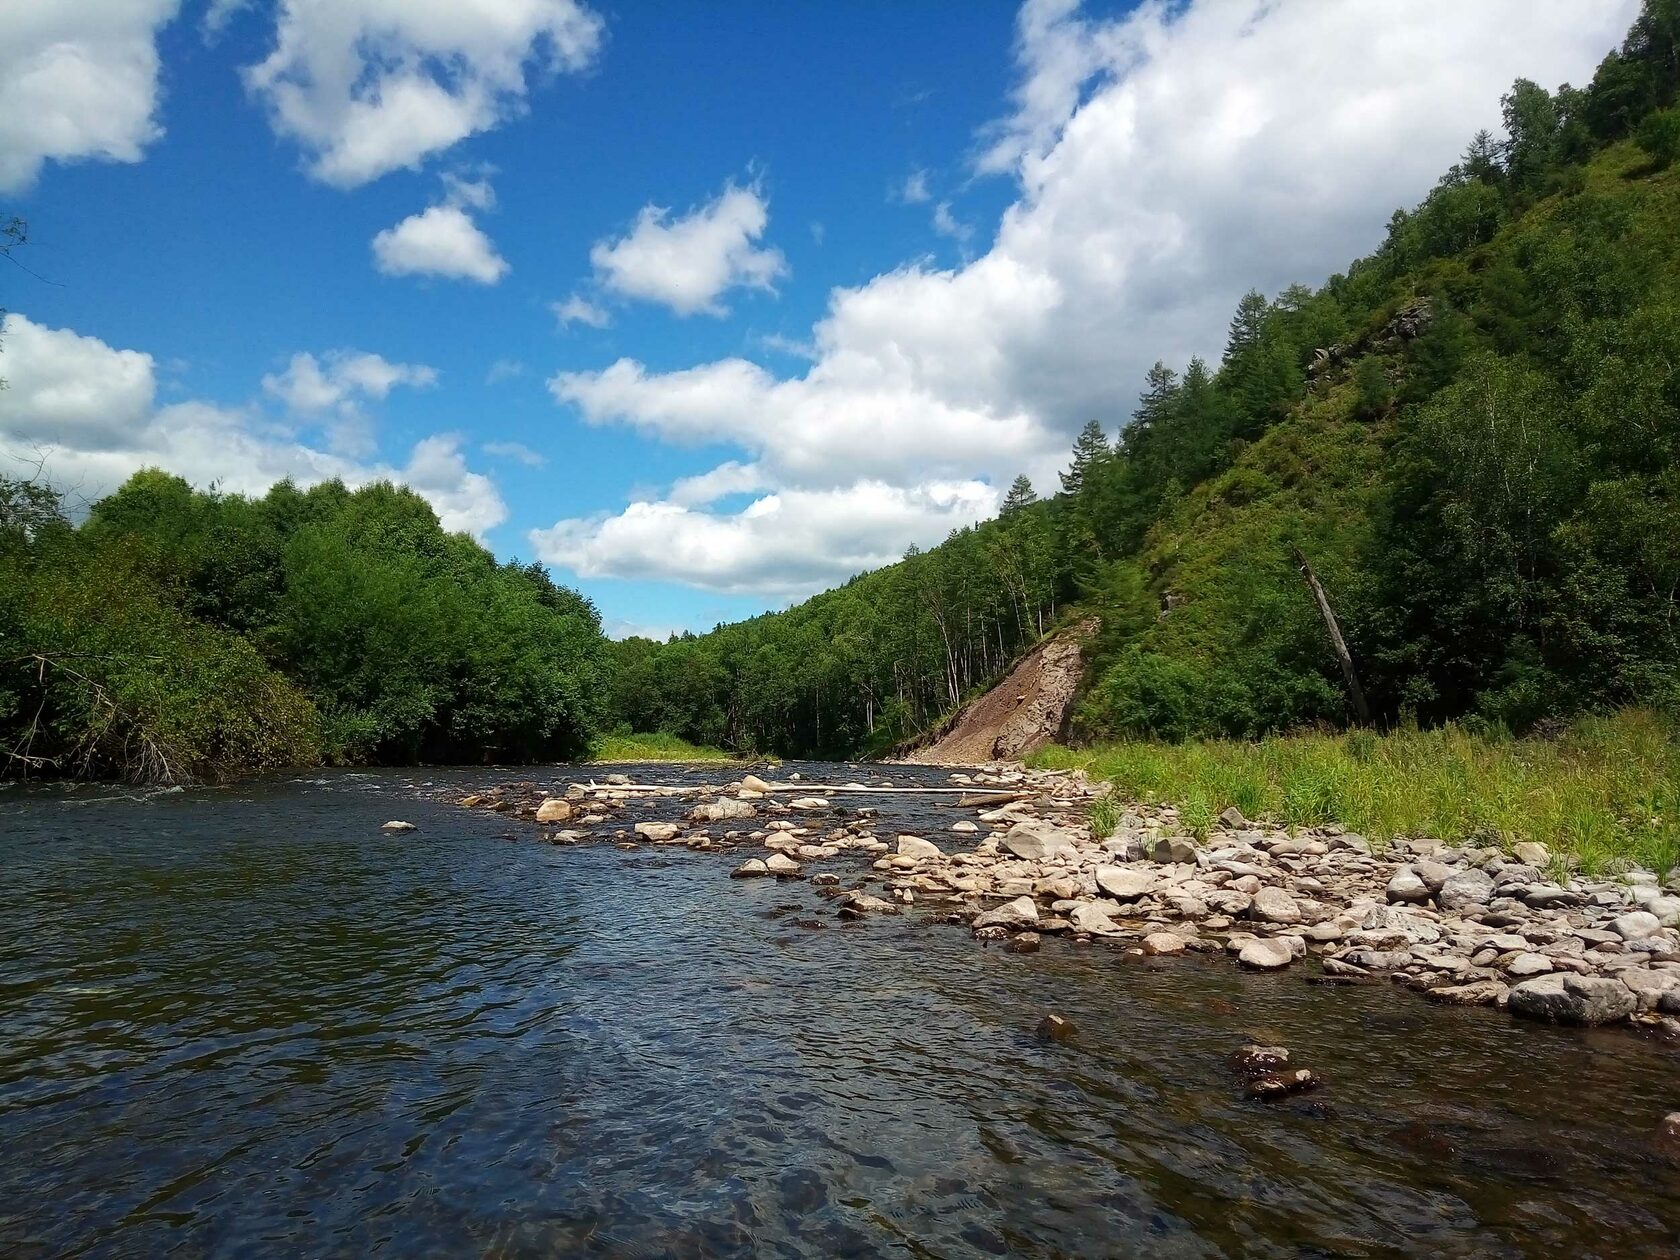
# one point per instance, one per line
(245, 1022)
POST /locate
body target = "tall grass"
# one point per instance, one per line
(1605, 793)
(656, 747)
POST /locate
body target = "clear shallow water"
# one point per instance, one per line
(244, 1022)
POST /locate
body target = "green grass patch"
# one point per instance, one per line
(656, 747)
(1605, 793)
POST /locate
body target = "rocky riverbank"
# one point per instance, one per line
(1463, 925)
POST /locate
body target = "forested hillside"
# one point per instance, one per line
(1471, 434)
(176, 634)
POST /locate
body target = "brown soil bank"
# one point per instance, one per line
(1024, 712)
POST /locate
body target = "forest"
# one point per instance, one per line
(1471, 434)
(176, 634)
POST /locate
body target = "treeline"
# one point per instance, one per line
(177, 634)
(1471, 434)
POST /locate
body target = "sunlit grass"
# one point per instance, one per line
(1605, 793)
(657, 747)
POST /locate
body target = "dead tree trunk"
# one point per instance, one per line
(1343, 657)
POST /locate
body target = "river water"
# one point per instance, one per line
(245, 1022)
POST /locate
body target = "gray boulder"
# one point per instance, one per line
(1407, 886)
(1038, 841)
(916, 847)
(1465, 889)
(1022, 912)
(1275, 906)
(1636, 925)
(1566, 998)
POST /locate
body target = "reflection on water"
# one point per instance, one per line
(245, 1022)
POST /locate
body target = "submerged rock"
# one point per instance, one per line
(1275, 1085)
(1055, 1028)
(750, 868)
(397, 825)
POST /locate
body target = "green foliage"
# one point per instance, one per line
(652, 748)
(1604, 793)
(178, 634)
(1659, 135)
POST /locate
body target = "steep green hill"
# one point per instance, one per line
(1471, 435)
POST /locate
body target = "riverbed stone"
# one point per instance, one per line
(1125, 883)
(1572, 999)
(1532, 853)
(750, 868)
(1163, 943)
(1021, 912)
(917, 848)
(1094, 917)
(781, 864)
(1407, 886)
(1465, 889)
(1266, 953)
(396, 824)
(1476, 993)
(658, 832)
(1550, 897)
(1636, 925)
(1174, 849)
(722, 810)
(1038, 841)
(554, 809)
(1527, 964)
(1276, 906)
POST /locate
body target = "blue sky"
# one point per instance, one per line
(835, 273)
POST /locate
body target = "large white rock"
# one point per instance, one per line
(781, 864)
(554, 810)
(1125, 883)
(1266, 953)
(1094, 917)
(657, 831)
(1636, 925)
(916, 847)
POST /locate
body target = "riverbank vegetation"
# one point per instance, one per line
(178, 634)
(1471, 435)
(621, 747)
(1603, 791)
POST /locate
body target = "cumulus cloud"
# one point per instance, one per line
(443, 240)
(77, 82)
(781, 544)
(342, 380)
(371, 86)
(1165, 162)
(88, 410)
(915, 188)
(688, 263)
(579, 310)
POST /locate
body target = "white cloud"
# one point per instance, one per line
(370, 86)
(89, 411)
(504, 370)
(728, 478)
(515, 451)
(1166, 161)
(439, 241)
(78, 81)
(579, 310)
(782, 544)
(947, 224)
(347, 377)
(688, 263)
(915, 188)
(619, 628)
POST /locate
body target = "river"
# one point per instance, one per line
(245, 1022)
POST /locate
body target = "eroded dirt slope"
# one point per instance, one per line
(1021, 714)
